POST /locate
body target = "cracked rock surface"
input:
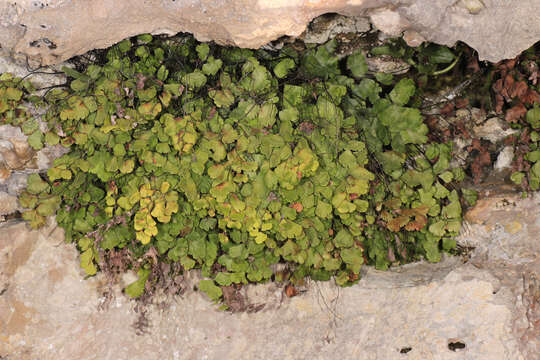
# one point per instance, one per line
(484, 308)
(51, 31)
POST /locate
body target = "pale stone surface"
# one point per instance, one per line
(504, 231)
(326, 27)
(505, 228)
(504, 159)
(45, 304)
(42, 77)
(55, 30)
(17, 158)
(8, 203)
(494, 130)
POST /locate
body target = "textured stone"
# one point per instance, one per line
(505, 228)
(60, 29)
(8, 203)
(18, 159)
(45, 304)
(327, 27)
(494, 130)
(504, 159)
(40, 79)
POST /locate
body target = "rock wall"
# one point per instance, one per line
(483, 305)
(486, 308)
(51, 31)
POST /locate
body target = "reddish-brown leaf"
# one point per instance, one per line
(397, 223)
(394, 203)
(499, 102)
(515, 113)
(290, 290)
(462, 103)
(233, 298)
(531, 97)
(519, 89)
(509, 140)
(306, 127)
(391, 256)
(297, 206)
(418, 224)
(447, 109)
(507, 87)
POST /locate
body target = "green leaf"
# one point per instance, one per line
(202, 50)
(144, 38)
(210, 289)
(212, 66)
(323, 210)
(347, 159)
(321, 62)
(391, 161)
(124, 46)
(79, 85)
(353, 257)
(222, 98)
(431, 248)
(438, 228)
(13, 94)
(533, 156)
(48, 206)
(452, 210)
(27, 200)
(35, 185)
(174, 89)
(30, 125)
(51, 138)
(290, 229)
(194, 80)
(87, 262)
(136, 288)
(293, 96)
(72, 72)
(343, 239)
(384, 78)
(533, 117)
(115, 237)
(162, 73)
(438, 54)
(284, 67)
(36, 140)
(402, 92)
(517, 177)
(56, 173)
(367, 89)
(93, 71)
(449, 244)
(357, 64)
(147, 94)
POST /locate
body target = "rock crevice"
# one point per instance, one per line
(50, 32)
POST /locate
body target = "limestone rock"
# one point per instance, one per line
(494, 130)
(60, 29)
(505, 228)
(18, 159)
(422, 310)
(504, 159)
(8, 203)
(328, 26)
(40, 79)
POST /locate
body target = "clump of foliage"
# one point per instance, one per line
(232, 160)
(517, 93)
